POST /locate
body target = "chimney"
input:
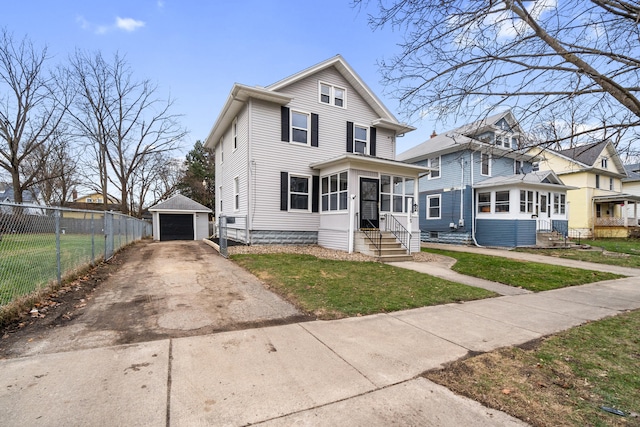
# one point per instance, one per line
(74, 194)
(434, 134)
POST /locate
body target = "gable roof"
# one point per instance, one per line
(587, 155)
(461, 139)
(241, 93)
(633, 173)
(349, 74)
(179, 203)
(28, 196)
(538, 178)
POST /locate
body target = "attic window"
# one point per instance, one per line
(333, 95)
(604, 162)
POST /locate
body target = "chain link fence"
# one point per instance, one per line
(39, 245)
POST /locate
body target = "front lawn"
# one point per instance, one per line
(621, 252)
(527, 275)
(333, 289)
(565, 380)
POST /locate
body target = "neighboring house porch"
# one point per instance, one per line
(614, 215)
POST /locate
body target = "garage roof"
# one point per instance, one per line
(179, 203)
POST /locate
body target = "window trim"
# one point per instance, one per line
(502, 203)
(488, 164)
(429, 164)
(291, 127)
(428, 206)
(518, 170)
(391, 194)
(368, 140)
(332, 94)
(528, 202)
(236, 193)
(597, 180)
(488, 203)
(338, 192)
(234, 133)
(309, 192)
(611, 184)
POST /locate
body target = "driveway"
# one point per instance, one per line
(158, 290)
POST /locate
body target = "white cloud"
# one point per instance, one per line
(123, 24)
(128, 24)
(160, 4)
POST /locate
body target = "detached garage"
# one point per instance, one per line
(180, 218)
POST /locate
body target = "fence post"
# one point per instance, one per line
(56, 215)
(93, 243)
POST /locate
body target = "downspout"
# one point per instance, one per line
(473, 208)
(461, 191)
(250, 176)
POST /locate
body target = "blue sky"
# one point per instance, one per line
(196, 50)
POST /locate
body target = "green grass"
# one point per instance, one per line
(630, 247)
(625, 246)
(527, 275)
(606, 354)
(565, 380)
(332, 289)
(28, 261)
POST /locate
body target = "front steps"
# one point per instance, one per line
(391, 249)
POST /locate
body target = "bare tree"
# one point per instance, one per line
(155, 179)
(32, 105)
(123, 118)
(57, 177)
(466, 57)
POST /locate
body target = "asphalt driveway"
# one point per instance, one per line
(159, 290)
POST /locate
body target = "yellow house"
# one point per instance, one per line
(598, 207)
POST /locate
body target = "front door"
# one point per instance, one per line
(369, 196)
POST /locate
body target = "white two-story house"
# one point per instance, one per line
(311, 160)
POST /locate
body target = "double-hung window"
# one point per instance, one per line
(484, 202)
(334, 192)
(559, 203)
(300, 127)
(236, 193)
(299, 192)
(526, 201)
(433, 206)
(360, 139)
(435, 164)
(332, 95)
(502, 201)
(234, 131)
(485, 167)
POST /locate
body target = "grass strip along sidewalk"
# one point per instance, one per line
(332, 289)
(533, 276)
(620, 252)
(568, 379)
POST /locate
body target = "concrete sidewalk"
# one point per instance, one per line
(364, 369)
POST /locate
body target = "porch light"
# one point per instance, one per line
(414, 208)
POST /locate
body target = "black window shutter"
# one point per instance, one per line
(372, 143)
(284, 123)
(314, 130)
(349, 137)
(284, 191)
(315, 189)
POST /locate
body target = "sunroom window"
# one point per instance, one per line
(334, 192)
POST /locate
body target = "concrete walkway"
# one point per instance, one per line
(361, 371)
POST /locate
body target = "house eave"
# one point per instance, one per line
(238, 96)
(355, 160)
(398, 128)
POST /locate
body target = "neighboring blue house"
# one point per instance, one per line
(486, 190)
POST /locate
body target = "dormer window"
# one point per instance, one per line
(333, 95)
